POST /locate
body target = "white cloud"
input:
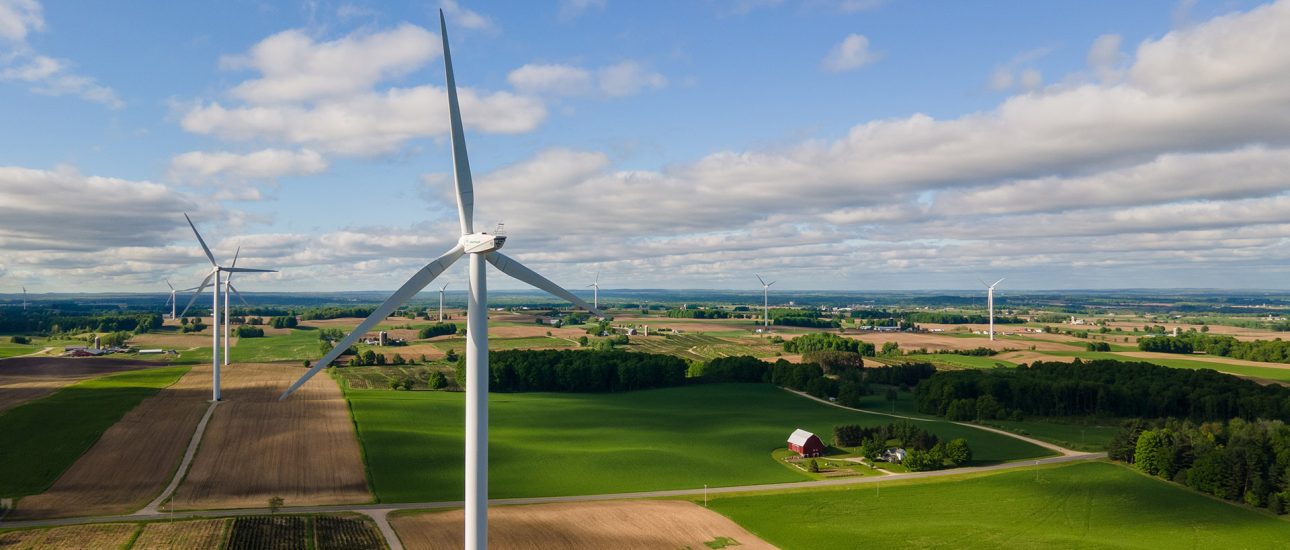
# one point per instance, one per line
(264, 165)
(466, 18)
(554, 79)
(1106, 59)
(19, 17)
(850, 54)
(327, 96)
(618, 80)
(296, 68)
(628, 78)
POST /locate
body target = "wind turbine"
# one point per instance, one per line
(216, 269)
(990, 300)
(172, 300)
(765, 302)
(595, 293)
(24, 298)
(481, 247)
(441, 291)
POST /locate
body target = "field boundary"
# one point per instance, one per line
(182, 470)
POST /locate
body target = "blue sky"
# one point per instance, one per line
(841, 144)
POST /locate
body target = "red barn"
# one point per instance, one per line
(805, 443)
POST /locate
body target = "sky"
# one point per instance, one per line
(825, 144)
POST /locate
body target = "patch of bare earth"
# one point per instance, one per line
(593, 525)
(23, 379)
(303, 449)
(133, 460)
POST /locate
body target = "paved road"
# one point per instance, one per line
(151, 508)
(365, 508)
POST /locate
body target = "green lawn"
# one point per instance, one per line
(298, 345)
(42, 438)
(1266, 373)
(546, 444)
(960, 361)
(1085, 505)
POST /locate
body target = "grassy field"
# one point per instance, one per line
(1072, 435)
(498, 344)
(10, 349)
(704, 346)
(567, 444)
(41, 439)
(960, 361)
(1266, 373)
(298, 345)
(1086, 505)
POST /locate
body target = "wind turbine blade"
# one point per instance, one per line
(460, 162)
(205, 249)
(239, 295)
(400, 296)
(247, 270)
(996, 283)
(517, 270)
(759, 279)
(228, 281)
(205, 282)
(770, 283)
(172, 287)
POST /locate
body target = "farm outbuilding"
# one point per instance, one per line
(805, 443)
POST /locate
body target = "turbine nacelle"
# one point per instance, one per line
(479, 243)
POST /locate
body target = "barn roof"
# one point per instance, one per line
(800, 436)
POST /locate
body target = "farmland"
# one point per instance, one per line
(256, 447)
(671, 438)
(618, 524)
(164, 535)
(1076, 505)
(26, 378)
(141, 451)
(39, 440)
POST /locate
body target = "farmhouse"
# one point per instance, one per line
(895, 456)
(805, 443)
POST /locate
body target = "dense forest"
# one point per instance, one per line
(824, 341)
(51, 321)
(809, 322)
(1237, 460)
(924, 450)
(1274, 351)
(698, 313)
(578, 371)
(1099, 388)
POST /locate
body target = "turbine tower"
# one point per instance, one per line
(990, 301)
(765, 302)
(481, 247)
(441, 291)
(24, 298)
(216, 270)
(595, 292)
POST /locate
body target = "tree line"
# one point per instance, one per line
(578, 371)
(923, 449)
(1272, 351)
(51, 322)
(827, 341)
(1099, 388)
(1236, 460)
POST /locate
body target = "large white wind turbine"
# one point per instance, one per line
(441, 291)
(990, 301)
(595, 292)
(765, 302)
(481, 247)
(172, 302)
(229, 290)
(216, 270)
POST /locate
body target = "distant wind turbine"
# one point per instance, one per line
(990, 300)
(216, 269)
(441, 291)
(229, 289)
(24, 298)
(765, 302)
(172, 301)
(481, 247)
(595, 293)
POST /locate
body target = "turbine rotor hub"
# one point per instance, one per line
(478, 243)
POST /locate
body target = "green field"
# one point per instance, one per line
(546, 444)
(42, 438)
(959, 361)
(499, 344)
(298, 345)
(1085, 505)
(1072, 435)
(703, 346)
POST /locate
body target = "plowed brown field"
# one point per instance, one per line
(133, 460)
(255, 447)
(107, 535)
(23, 379)
(165, 535)
(591, 525)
